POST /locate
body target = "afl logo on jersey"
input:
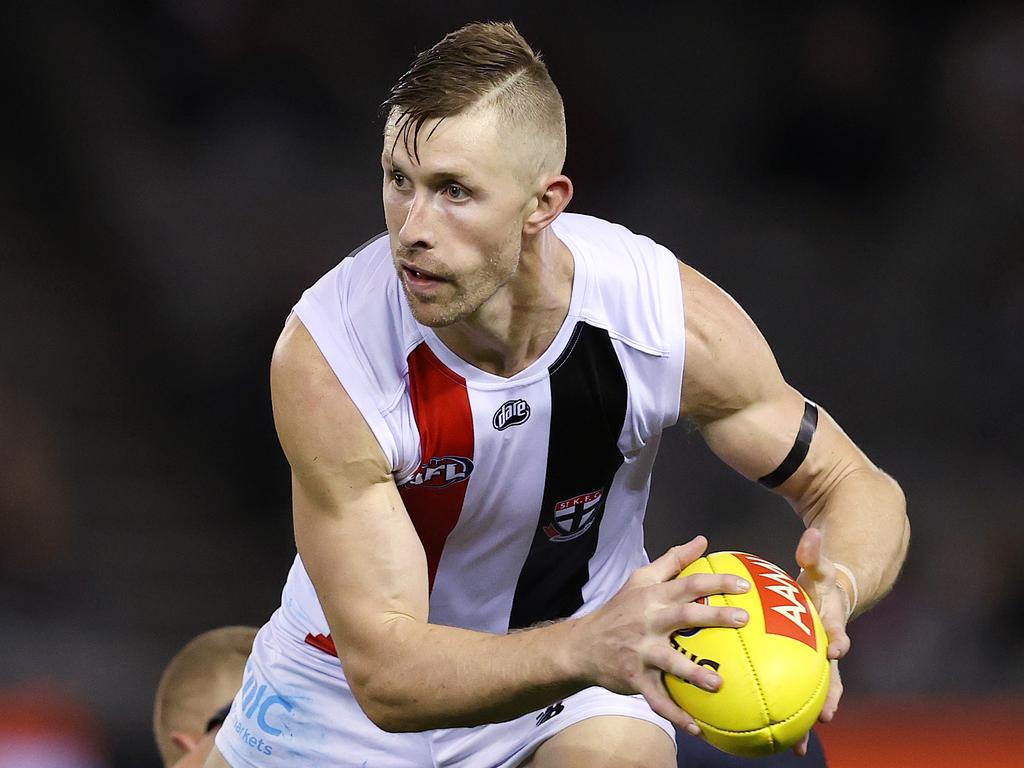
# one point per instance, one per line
(511, 413)
(442, 471)
(573, 517)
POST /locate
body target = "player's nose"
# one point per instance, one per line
(417, 230)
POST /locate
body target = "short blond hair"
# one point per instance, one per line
(483, 64)
(201, 679)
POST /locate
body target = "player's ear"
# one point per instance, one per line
(551, 201)
(185, 741)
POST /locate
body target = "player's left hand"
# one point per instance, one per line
(818, 579)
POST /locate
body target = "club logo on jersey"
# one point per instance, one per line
(786, 611)
(691, 631)
(510, 414)
(442, 471)
(573, 517)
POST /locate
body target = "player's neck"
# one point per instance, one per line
(516, 326)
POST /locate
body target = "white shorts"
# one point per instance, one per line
(295, 710)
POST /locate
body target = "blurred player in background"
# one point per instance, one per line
(195, 693)
(43, 726)
(471, 406)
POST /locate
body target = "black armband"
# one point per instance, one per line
(798, 452)
(218, 719)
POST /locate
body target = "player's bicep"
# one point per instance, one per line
(749, 416)
(761, 443)
(351, 529)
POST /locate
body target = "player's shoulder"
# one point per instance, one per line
(357, 317)
(314, 409)
(358, 303)
(617, 259)
(631, 283)
(711, 313)
(605, 237)
(299, 369)
(728, 360)
(366, 267)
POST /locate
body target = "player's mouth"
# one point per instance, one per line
(420, 279)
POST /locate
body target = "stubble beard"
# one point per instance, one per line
(470, 291)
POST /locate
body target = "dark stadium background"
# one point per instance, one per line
(174, 174)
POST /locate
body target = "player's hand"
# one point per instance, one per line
(627, 639)
(819, 581)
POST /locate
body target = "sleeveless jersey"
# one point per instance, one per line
(528, 492)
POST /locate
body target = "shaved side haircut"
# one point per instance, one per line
(482, 65)
(200, 679)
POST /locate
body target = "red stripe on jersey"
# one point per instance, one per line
(434, 495)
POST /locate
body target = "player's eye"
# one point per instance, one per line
(398, 179)
(456, 191)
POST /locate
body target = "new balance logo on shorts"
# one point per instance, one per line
(547, 714)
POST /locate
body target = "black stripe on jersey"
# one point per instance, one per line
(588, 409)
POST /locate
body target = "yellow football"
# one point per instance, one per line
(775, 671)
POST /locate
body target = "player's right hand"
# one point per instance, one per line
(626, 641)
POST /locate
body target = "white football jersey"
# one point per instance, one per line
(528, 493)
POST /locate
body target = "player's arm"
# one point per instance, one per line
(750, 417)
(857, 528)
(369, 569)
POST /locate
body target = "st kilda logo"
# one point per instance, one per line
(573, 517)
(510, 413)
(442, 471)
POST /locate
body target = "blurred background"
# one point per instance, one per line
(176, 172)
